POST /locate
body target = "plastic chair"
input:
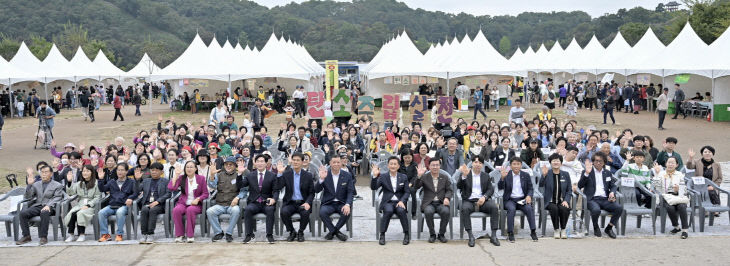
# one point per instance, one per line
(318, 205)
(690, 211)
(200, 219)
(379, 214)
(536, 198)
(10, 219)
(165, 217)
(112, 220)
(261, 216)
(587, 213)
(421, 217)
(631, 206)
(476, 213)
(698, 187)
(294, 218)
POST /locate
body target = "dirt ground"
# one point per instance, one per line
(625, 251)
(18, 134)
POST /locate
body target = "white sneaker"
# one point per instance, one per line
(69, 238)
(143, 239)
(556, 234)
(179, 239)
(150, 239)
(563, 234)
(81, 238)
(191, 240)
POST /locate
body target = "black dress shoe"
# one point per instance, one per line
(494, 240)
(329, 236)
(610, 233)
(533, 235)
(432, 239)
(23, 240)
(300, 237)
(341, 236)
(217, 237)
(442, 238)
(675, 231)
(43, 241)
(471, 240)
(292, 236)
(597, 233)
(248, 239)
(381, 239)
(511, 237)
(684, 235)
(406, 238)
(270, 238)
(229, 238)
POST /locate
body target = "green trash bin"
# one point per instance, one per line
(379, 102)
(502, 101)
(670, 109)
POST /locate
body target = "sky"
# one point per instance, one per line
(595, 8)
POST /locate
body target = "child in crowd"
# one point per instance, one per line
(571, 107)
(289, 109)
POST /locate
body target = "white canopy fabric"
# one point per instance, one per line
(403, 58)
(194, 62)
(477, 57)
(618, 48)
(548, 62)
(57, 67)
(8, 72)
(646, 48)
(25, 61)
(686, 54)
(105, 68)
(586, 60)
(144, 68)
(83, 68)
(720, 58)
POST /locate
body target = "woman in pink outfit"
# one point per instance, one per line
(194, 191)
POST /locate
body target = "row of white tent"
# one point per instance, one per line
(686, 54)
(279, 58)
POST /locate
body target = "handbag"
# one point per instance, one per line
(672, 199)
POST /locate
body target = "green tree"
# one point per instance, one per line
(505, 46)
(242, 38)
(39, 46)
(659, 7)
(633, 31)
(8, 47)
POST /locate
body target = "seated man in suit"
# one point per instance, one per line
(227, 197)
(437, 195)
(395, 196)
(261, 199)
(600, 191)
(476, 192)
(298, 195)
(47, 194)
(338, 187)
(154, 194)
(557, 195)
(517, 195)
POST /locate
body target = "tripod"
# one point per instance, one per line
(43, 129)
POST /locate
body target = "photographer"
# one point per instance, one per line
(46, 123)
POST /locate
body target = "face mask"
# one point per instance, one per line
(226, 133)
(307, 135)
(94, 156)
(64, 161)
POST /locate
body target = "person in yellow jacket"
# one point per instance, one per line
(261, 94)
(381, 143)
(544, 115)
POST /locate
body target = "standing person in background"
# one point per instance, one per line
(650, 94)
(494, 95)
(563, 92)
(2, 122)
(678, 100)
(299, 101)
(662, 103)
(91, 106)
(137, 101)
(163, 92)
(118, 107)
(197, 100)
(478, 97)
(608, 104)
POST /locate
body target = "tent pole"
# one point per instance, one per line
(448, 86)
(10, 86)
(45, 88)
(712, 103)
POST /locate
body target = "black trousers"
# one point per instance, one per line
(558, 214)
(72, 225)
(562, 101)
(254, 208)
(467, 207)
(148, 218)
(444, 215)
(643, 199)
(328, 209)
(26, 214)
(118, 112)
(597, 204)
(677, 211)
(511, 206)
(590, 102)
(662, 115)
(290, 209)
(678, 106)
(91, 115)
(389, 209)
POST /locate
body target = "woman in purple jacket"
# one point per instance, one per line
(193, 191)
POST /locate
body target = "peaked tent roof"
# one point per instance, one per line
(647, 47)
(687, 53)
(56, 66)
(720, 59)
(405, 59)
(144, 68)
(618, 48)
(8, 71)
(83, 68)
(586, 60)
(105, 68)
(25, 61)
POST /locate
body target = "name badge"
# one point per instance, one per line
(86, 201)
(627, 181)
(233, 181)
(698, 180)
(152, 199)
(401, 184)
(562, 180)
(608, 179)
(343, 184)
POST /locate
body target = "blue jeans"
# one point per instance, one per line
(217, 210)
(164, 98)
(104, 214)
(1, 138)
(496, 104)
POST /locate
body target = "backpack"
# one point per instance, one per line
(551, 95)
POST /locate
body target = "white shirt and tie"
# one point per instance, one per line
(394, 183)
(476, 186)
(600, 189)
(516, 186)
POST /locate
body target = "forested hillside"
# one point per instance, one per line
(125, 29)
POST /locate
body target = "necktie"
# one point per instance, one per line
(261, 181)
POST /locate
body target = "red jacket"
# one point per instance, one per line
(117, 102)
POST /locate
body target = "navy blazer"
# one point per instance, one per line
(506, 184)
(306, 185)
(484, 180)
(589, 183)
(268, 188)
(162, 192)
(402, 191)
(345, 188)
(565, 186)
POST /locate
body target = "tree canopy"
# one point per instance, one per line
(126, 29)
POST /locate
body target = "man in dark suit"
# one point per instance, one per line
(437, 195)
(557, 194)
(476, 193)
(396, 191)
(338, 187)
(517, 194)
(262, 197)
(600, 191)
(256, 116)
(154, 194)
(45, 195)
(74, 167)
(451, 158)
(298, 195)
